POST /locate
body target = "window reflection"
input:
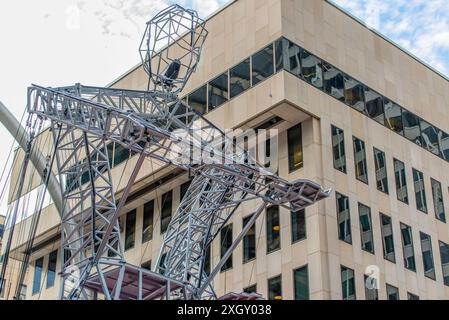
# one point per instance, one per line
(338, 148)
(343, 218)
(289, 57)
(387, 237)
(218, 91)
(354, 94)
(412, 130)
(262, 64)
(374, 105)
(427, 255)
(197, 100)
(239, 78)
(393, 116)
(407, 247)
(401, 182)
(438, 203)
(311, 69)
(366, 228)
(430, 136)
(333, 82)
(361, 171)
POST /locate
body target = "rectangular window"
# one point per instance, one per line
(381, 171)
(333, 82)
(393, 116)
(2, 286)
(146, 265)
(411, 296)
(401, 182)
(420, 192)
(354, 94)
(251, 289)
(166, 210)
(301, 278)
(427, 255)
(37, 275)
(338, 148)
(121, 154)
(275, 288)
(298, 223)
(386, 229)
(412, 129)
(240, 78)
(392, 293)
(51, 269)
(226, 242)
(366, 228)
(374, 105)
(249, 241)
(343, 218)
(430, 136)
(183, 190)
(130, 229)
(294, 141)
(438, 203)
(371, 292)
(407, 247)
(147, 226)
(348, 283)
(23, 292)
(444, 253)
(273, 229)
(207, 261)
(444, 145)
(288, 57)
(361, 170)
(198, 100)
(262, 65)
(218, 91)
(311, 69)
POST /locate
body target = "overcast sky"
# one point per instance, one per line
(62, 42)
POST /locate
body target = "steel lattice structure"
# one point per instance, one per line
(156, 124)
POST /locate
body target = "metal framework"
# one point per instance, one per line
(156, 124)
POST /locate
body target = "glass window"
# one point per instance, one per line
(371, 292)
(412, 130)
(386, 229)
(146, 265)
(166, 210)
(2, 230)
(392, 293)
(51, 269)
(207, 261)
(438, 203)
(184, 187)
(381, 170)
(294, 141)
(226, 242)
(37, 275)
(275, 288)
(444, 253)
(338, 148)
(348, 283)
(273, 229)
(430, 136)
(121, 154)
(147, 227)
(407, 247)
(343, 218)
(218, 91)
(288, 57)
(311, 69)
(333, 82)
(249, 241)
(444, 145)
(393, 116)
(239, 78)
(361, 171)
(427, 255)
(420, 192)
(251, 289)
(366, 228)
(23, 292)
(354, 94)
(301, 278)
(162, 261)
(262, 65)
(401, 182)
(374, 105)
(298, 222)
(411, 296)
(130, 229)
(197, 100)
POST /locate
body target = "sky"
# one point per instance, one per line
(57, 43)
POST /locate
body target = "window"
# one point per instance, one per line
(348, 283)
(130, 229)
(401, 182)
(166, 210)
(354, 94)
(262, 65)
(147, 226)
(218, 91)
(311, 69)
(239, 78)
(393, 116)
(121, 154)
(338, 148)
(183, 190)
(275, 288)
(226, 242)
(366, 228)
(427, 255)
(333, 82)
(407, 247)
(162, 262)
(444, 253)
(392, 293)
(361, 171)
(273, 229)
(51, 269)
(411, 127)
(371, 292)
(2, 230)
(381, 171)
(37, 275)
(197, 100)
(444, 145)
(301, 278)
(411, 296)
(374, 105)
(386, 229)
(420, 193)
(147, 265)
(251, 289)
(343, 218)
(23, 292)
(438, 203)
(249, 241)
(288, 57)
(207, 261)
(2, 288)
(294, 141)
(298, 223)
(430, 136)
